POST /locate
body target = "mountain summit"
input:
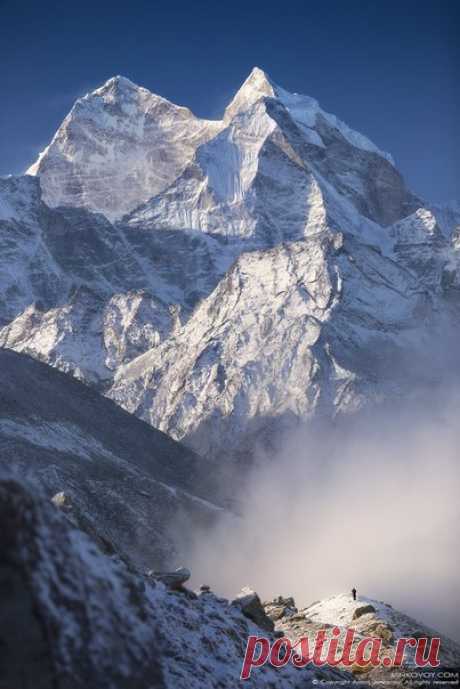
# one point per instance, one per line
(118, 146)
(305, 110)
(257, 85)
(121, 145)
(220, 279)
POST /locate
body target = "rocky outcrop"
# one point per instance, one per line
(250, 605)
(363, 610)
(173, 580)
(280, 607)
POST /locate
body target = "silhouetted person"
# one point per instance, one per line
(353, 593)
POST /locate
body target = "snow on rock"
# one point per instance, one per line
(276, 340)
(304, 110)
(447, 216)
(417, 228)
(122, 145)
(71, 617)
(224, 358)
(249, 603)
(258, 270)
(118, 146)
(341, 609)
(125, 483)
(80, 294)
(19, 198)
(369, 618)
(74, 617)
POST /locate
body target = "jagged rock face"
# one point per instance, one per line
(249, 603)
(216, 376)
(27, 271)
(72, 617)
(277, 268)
(118, 146)
(264, 176)
(86, 296)
(124, 483)
(303, 328)
(447, 217)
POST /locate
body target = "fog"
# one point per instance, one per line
(370, 502)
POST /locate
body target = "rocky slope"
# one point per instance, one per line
(72, 617)
(368, 618)
(126, 484)
(245, 273)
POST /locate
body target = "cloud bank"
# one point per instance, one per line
(371, 503)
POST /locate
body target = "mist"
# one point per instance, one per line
(370, 502)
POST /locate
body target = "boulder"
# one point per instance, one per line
(173, 580)
(275, 612)
(363, 610)
(249, 603)
(384, 631)
(280, 607)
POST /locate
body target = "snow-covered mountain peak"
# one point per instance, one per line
(258, 85)
(117, 87)
(304, 110)
(307, 112)
(119, 146)
(117, 82)
(276, 245)
(122, 146)
(119, 90)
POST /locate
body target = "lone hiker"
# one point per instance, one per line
(353, 593)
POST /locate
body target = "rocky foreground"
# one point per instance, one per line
(73, 617)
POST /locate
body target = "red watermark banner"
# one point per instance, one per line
(366, 652)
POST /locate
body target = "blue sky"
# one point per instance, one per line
(389, 69)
